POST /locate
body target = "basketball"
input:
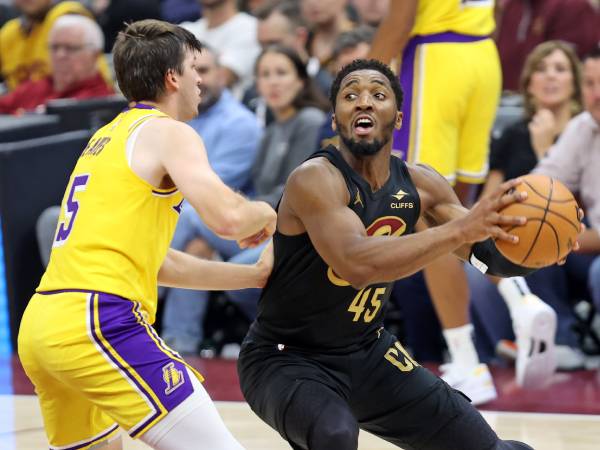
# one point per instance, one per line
(552, 223)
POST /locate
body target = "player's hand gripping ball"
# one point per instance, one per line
(553, 223)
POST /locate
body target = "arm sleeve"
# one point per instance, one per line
(486, 258)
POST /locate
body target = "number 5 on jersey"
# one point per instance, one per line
(71, 207)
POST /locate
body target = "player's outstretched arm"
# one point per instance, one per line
(316, 197)
(224, 211)
(440, 205)
(181, 270)
(394, 31)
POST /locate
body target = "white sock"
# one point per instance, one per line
(513, 290)
(460, 345)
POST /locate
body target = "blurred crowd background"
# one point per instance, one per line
(266, 71)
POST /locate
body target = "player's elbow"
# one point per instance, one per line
(358, 277)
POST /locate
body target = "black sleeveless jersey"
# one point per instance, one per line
(305, 304)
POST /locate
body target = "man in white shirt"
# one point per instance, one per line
(575, 160)
(233, 35)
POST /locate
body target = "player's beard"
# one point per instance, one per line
(360, 149)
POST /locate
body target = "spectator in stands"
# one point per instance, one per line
(112, 15)
(24, 51)
(231, 135)
(326, 20)
(177, 11)
(298, 108)
(574, 160)
(370, 12)
(75, 42)
(233, 34)
(353, 44)
(280, 22)
(7, 12)
(551, 88)
(523, 24)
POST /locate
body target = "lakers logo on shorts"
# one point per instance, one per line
(173, 377)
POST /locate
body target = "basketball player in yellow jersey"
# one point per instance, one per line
(450, 73)
(86, 339)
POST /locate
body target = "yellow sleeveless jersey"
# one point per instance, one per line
(24, 54)
(472, 17)
(114, 228)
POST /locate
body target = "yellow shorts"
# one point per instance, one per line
(451, 87)
(97, 364)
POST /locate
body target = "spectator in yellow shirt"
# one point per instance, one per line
(24, 52)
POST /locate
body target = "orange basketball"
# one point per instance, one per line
(552, 223)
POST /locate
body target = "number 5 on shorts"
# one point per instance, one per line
(71, 207)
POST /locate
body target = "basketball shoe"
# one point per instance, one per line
(475, 382)
(534, 324)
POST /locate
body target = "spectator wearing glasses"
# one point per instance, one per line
(75, 42)
(24, 52)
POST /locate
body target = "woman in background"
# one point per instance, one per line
(551, 89)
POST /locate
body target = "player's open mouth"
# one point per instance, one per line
(363, 125)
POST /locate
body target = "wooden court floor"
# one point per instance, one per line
(21, 428)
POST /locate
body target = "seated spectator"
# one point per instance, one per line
(112, 15)
(75, 42)
(370, 12)
(24, 51)
(298, 108)
(233, 34)
(551, 89)
(522, 25)
(280, 23)
(574, 160)
(326, 20)
(177, 11)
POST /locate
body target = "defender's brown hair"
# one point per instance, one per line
(143, 54)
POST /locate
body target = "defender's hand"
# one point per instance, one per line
(265, 264)
(484, 220)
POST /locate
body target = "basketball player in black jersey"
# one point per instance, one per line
(317, 364)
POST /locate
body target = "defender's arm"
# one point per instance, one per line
(185, 271)
(227, 213)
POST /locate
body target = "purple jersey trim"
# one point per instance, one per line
(165, 193)
(91, 441)
(138, 106)
(83, 291)
(402, 136)
(96, 299)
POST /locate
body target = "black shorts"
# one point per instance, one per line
(386, 392)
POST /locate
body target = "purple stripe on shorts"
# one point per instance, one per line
(152, 331)
(92, 441)
(402, 136)
(166, 376)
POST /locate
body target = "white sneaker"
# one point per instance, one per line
(534, 324)
(475, 382)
